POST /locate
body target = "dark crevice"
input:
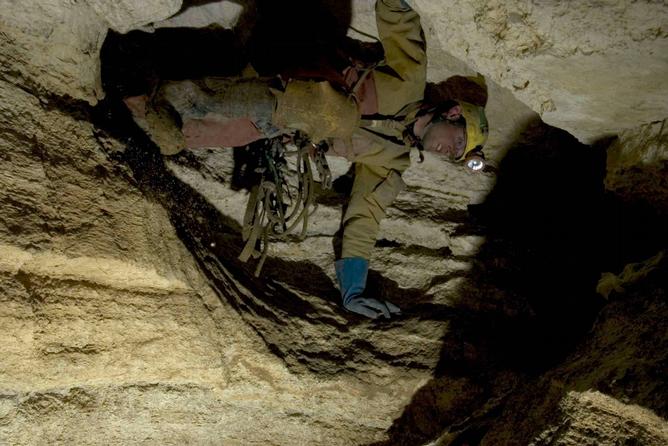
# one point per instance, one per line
(443, 252)
(551, 231)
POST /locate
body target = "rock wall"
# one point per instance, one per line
(591, 68)
(111, 333)
(595, 396)
(55, 45)
(126, 317)
(637, 165)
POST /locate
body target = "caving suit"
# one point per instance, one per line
(377, 148)
(221, 112)
(377, 141)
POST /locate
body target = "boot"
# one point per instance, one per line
(351, 273)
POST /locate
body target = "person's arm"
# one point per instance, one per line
(402, 79)
(401, 34)
(374, 190)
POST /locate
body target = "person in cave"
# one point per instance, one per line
(373, 114)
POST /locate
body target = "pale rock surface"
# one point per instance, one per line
(588, 67)
(125, 15)
(55, 45)
(125, 318)
(110, 332)
(221, 13)
(593, 415)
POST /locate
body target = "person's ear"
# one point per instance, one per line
(454, 113)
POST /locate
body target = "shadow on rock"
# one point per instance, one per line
(551, 230)
(293, 306)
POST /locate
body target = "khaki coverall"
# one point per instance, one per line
(213, 113)
(399, 86)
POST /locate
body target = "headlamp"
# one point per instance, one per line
(475, 162)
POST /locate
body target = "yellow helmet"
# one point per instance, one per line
(476, 127)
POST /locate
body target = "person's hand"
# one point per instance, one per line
(372, 308)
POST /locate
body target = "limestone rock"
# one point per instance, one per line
(127, 318)
(597, 396)
(595, 418)
(223, 13)
(637, 165)
(55, 45)
(125, 15)
(589, 69)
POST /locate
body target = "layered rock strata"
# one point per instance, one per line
(126, 317)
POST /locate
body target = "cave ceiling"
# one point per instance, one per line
(128, 318)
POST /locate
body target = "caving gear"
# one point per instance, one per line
(374, 189)
(406, 138)
(328, 113)
(351, 274)
(476, 128)
(399, 83)
(321, 165)
(279, 201)
(475, 161)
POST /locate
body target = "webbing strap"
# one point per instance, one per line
(252, 229)
(271, 214)
(361, 79)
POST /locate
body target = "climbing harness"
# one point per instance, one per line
(400, 124)
(321, 165)
(282, 199)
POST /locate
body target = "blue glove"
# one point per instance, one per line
(402, 4)
(351, 273)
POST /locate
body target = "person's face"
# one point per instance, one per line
(446, 139)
